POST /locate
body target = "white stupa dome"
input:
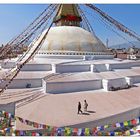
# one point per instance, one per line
(71, 39)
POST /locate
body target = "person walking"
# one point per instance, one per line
(79, 108)
(85, 106)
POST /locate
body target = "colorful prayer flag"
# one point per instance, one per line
(75, 131)
(125, 123)
(106, 126)
(112, 133)
(127, 133)
(67, 131)
(118, 125)
(83, 132)
(59, 131)
(87, 132)
(133, 122)
(137, 121)
(121, 124)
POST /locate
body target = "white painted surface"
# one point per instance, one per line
(119, 82)
(22, 83)
(135, 64)
(101, 56)
(108, 67)
(54, 68)
(75, 86)
(58, 68)
(105, 84)
(121, 66)
(37, 67)
(129, 80)
(136, 79)
(92, 68)
(44, 85)
(125, 65)
(100, 67)
(59, 56)
(71, 38)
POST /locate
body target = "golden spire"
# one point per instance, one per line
(68, 15)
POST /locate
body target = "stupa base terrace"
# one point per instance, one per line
(58, 76)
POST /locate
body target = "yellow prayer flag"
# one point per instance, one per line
(127, 133)
(87, 131)
(106, 126)
(116, 133)
(125, 123)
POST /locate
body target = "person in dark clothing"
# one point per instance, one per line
(79, 108)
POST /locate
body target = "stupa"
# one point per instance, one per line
(72, 65)
(67, 38)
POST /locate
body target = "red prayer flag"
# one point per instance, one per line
(134, 122)
(33, 134)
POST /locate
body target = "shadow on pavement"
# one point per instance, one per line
(91, 111)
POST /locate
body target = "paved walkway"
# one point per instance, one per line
(61, 110)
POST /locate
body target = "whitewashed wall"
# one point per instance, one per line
(103, 56)
(60, 56)
(135, 64)
(92, 57)
(119, 82)
(125, 65)
(100, 67)
(21, 83)
(121, 66)
(37, 67)
(74, 86)
(70, 68)
(136, 79)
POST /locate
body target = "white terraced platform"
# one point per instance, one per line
(37, 67)
(60, 68)
(66, 75)
(34, 78)
(72, 82)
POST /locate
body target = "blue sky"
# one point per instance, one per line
(15, 17)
